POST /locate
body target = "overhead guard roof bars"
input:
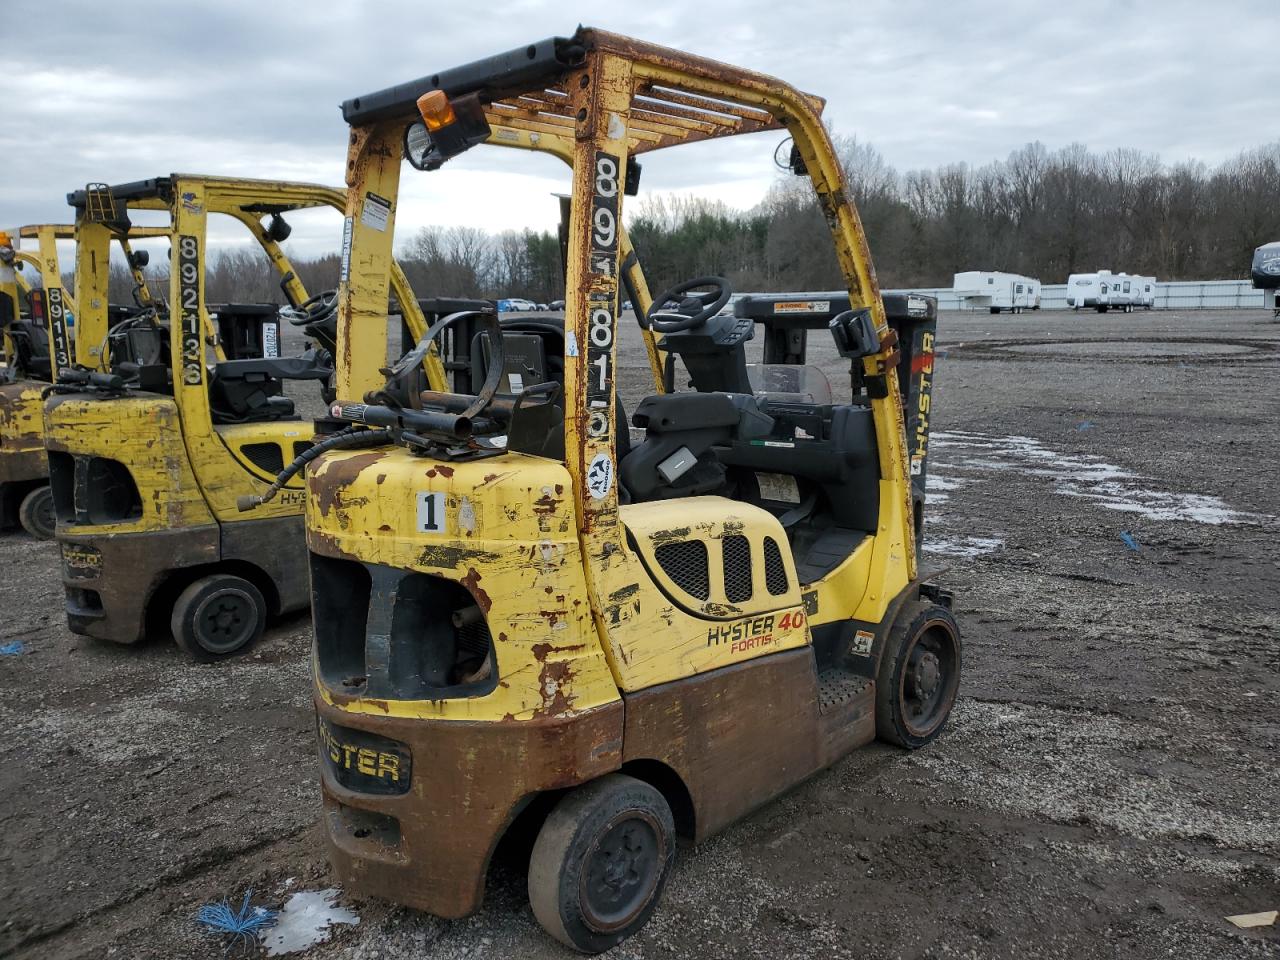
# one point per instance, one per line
(523, 88)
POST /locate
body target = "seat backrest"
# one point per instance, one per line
(676, 458)
(257, 369)
(831, 450)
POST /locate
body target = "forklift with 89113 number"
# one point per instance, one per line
(39, 337)
(523, 618)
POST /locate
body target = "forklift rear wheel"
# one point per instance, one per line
(919, 676)
(36, 513)
(600, 862)
(218, 616)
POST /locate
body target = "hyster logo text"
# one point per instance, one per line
(372, 763)
(743, 635)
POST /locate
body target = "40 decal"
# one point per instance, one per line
(791, 621)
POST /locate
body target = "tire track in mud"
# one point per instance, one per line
(51, 938)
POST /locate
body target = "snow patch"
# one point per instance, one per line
(305, 920)
(1086, 477)
(963, 547)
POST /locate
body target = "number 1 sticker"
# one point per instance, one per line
(430, 512)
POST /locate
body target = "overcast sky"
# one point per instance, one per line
(125, 91)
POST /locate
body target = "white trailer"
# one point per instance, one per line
(997, 291)
(1104, 290)
(1265, 274)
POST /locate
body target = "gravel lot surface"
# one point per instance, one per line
(1105, 495)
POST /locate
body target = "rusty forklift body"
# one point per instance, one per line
(38, 337)
(519, 610)
(170, 415)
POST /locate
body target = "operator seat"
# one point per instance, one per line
(534, 352)
(249, 391)
(31, 344)
(676, 458)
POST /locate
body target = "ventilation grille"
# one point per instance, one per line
(264, 456)
(737, 569)
(775, 573)
(686, 564)
(302, 446)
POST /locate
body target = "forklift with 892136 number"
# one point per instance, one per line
(180, 409)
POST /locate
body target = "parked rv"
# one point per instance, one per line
(1266, 274)
(1104, 290)
(997, 291)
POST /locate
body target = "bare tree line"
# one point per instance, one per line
(1040, 212)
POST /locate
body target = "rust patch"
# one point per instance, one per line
(624, 593)
(442, 470)
(449, 557)
(328, 486)
(659, 537)
(325, 543)
(546, 505)
(472, 582)
(722, 609)
(382, 478)
(552, 680)
(541, 650)
(552, 616)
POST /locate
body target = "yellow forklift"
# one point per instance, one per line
(179, 410)
(525, 620)
(38, 335)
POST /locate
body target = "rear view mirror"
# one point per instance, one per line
(278, 229)
(855, 334)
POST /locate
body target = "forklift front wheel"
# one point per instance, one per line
(217, 616)
(600, 862)
(36, 513)
(919, 676)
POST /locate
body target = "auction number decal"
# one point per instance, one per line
(602, 323)
(189, 292)
(58, 324)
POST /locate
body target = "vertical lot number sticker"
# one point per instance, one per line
(430, 512)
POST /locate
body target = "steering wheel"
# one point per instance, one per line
(320, 307)
(694, 309)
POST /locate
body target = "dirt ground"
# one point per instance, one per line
(1105, 497)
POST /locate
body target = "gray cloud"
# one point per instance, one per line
(98, 92)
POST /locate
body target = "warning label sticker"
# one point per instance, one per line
(779, 487)
(376, 212)
(802, 306)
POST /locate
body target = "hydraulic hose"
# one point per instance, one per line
(349, 439)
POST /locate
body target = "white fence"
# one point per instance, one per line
(1177, 295)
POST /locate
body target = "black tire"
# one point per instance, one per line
(613, 824)
(36, 513)
(218, 616)
(919, 675)
(994, 309)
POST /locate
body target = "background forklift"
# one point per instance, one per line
(521, 618)
(37, 326)
(178, 411)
